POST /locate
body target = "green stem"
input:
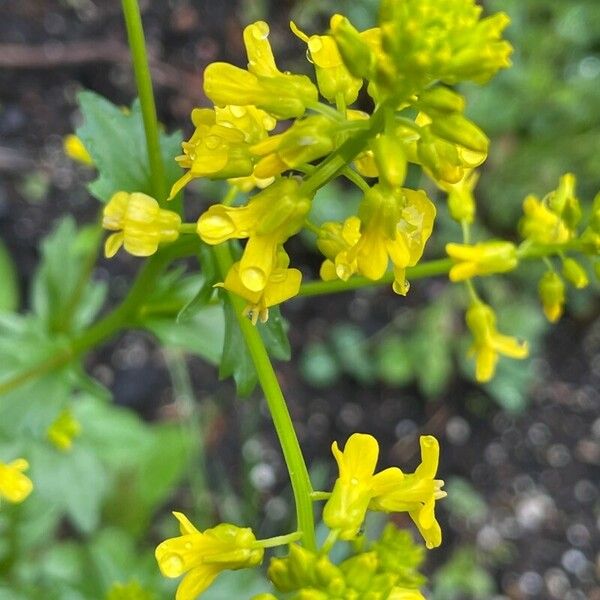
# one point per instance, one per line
(280, 540)
(426, 269)
(143, 80)
(282, 421)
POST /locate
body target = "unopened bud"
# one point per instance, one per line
(552, 295)
(574, 273)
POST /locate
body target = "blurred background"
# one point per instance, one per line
(520, 456)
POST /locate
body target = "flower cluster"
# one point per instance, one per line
(247, 139)
(385, 568)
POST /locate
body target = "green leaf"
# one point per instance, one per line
(116, 141)
(63, 295)
(202, 334)
(318, 365)
(236, 360)
(210, 276)
(394, 362)
(349, 343)
(74, 482)
(9, 288)
(274, 335)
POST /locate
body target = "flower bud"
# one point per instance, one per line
(574, 273)
(359, 570)
(484, 258)
(390, 159)
(552, 295)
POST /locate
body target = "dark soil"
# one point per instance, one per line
(538, 471)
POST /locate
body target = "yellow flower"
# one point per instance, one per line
(416, 493)
(14, 485)
(283, 284)
(263, 85)
(201, 556)
(334, 241)
(484, 258)
(333, 77)
(396, 224)
(140, 223)
(62, 431)
(488, 343)
(75, 150)
(356, 485)
(268, 220)
(220, 145)
(540, 224)
(552, 294)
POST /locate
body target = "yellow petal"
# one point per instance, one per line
(485, 364)
(510, 346)
(359, 457)
(196, 582)
(185, 524)
(386, 481)
(180, 184)
(112, 244)
(257, 262)
(430, 455)
(280, 291)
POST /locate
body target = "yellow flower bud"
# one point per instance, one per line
(357, 54)
(140, 223)
(201, 556)
(306, 140)
(488, 344)
(333, 77)
(359, 570)
(457, 129)
(14, 485)
(283, 95)
(484, 258)
(540, 224)
(268, 220)
(441, 99)
(390, 158)
(574, 273)
(63, 430)
(552, 294)
(75, 150)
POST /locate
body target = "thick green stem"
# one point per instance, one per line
(137, 46)
(286, 433)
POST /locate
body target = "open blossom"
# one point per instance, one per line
(417, 493)
(358, 488)
(201, 556)
(283, 284)
(15, 486)
(488, 343)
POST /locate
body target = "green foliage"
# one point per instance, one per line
(115, 139)
(9, 290)
(463, 578)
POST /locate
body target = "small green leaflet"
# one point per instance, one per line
(116, 141)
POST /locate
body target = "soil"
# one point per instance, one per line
(538, 471)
